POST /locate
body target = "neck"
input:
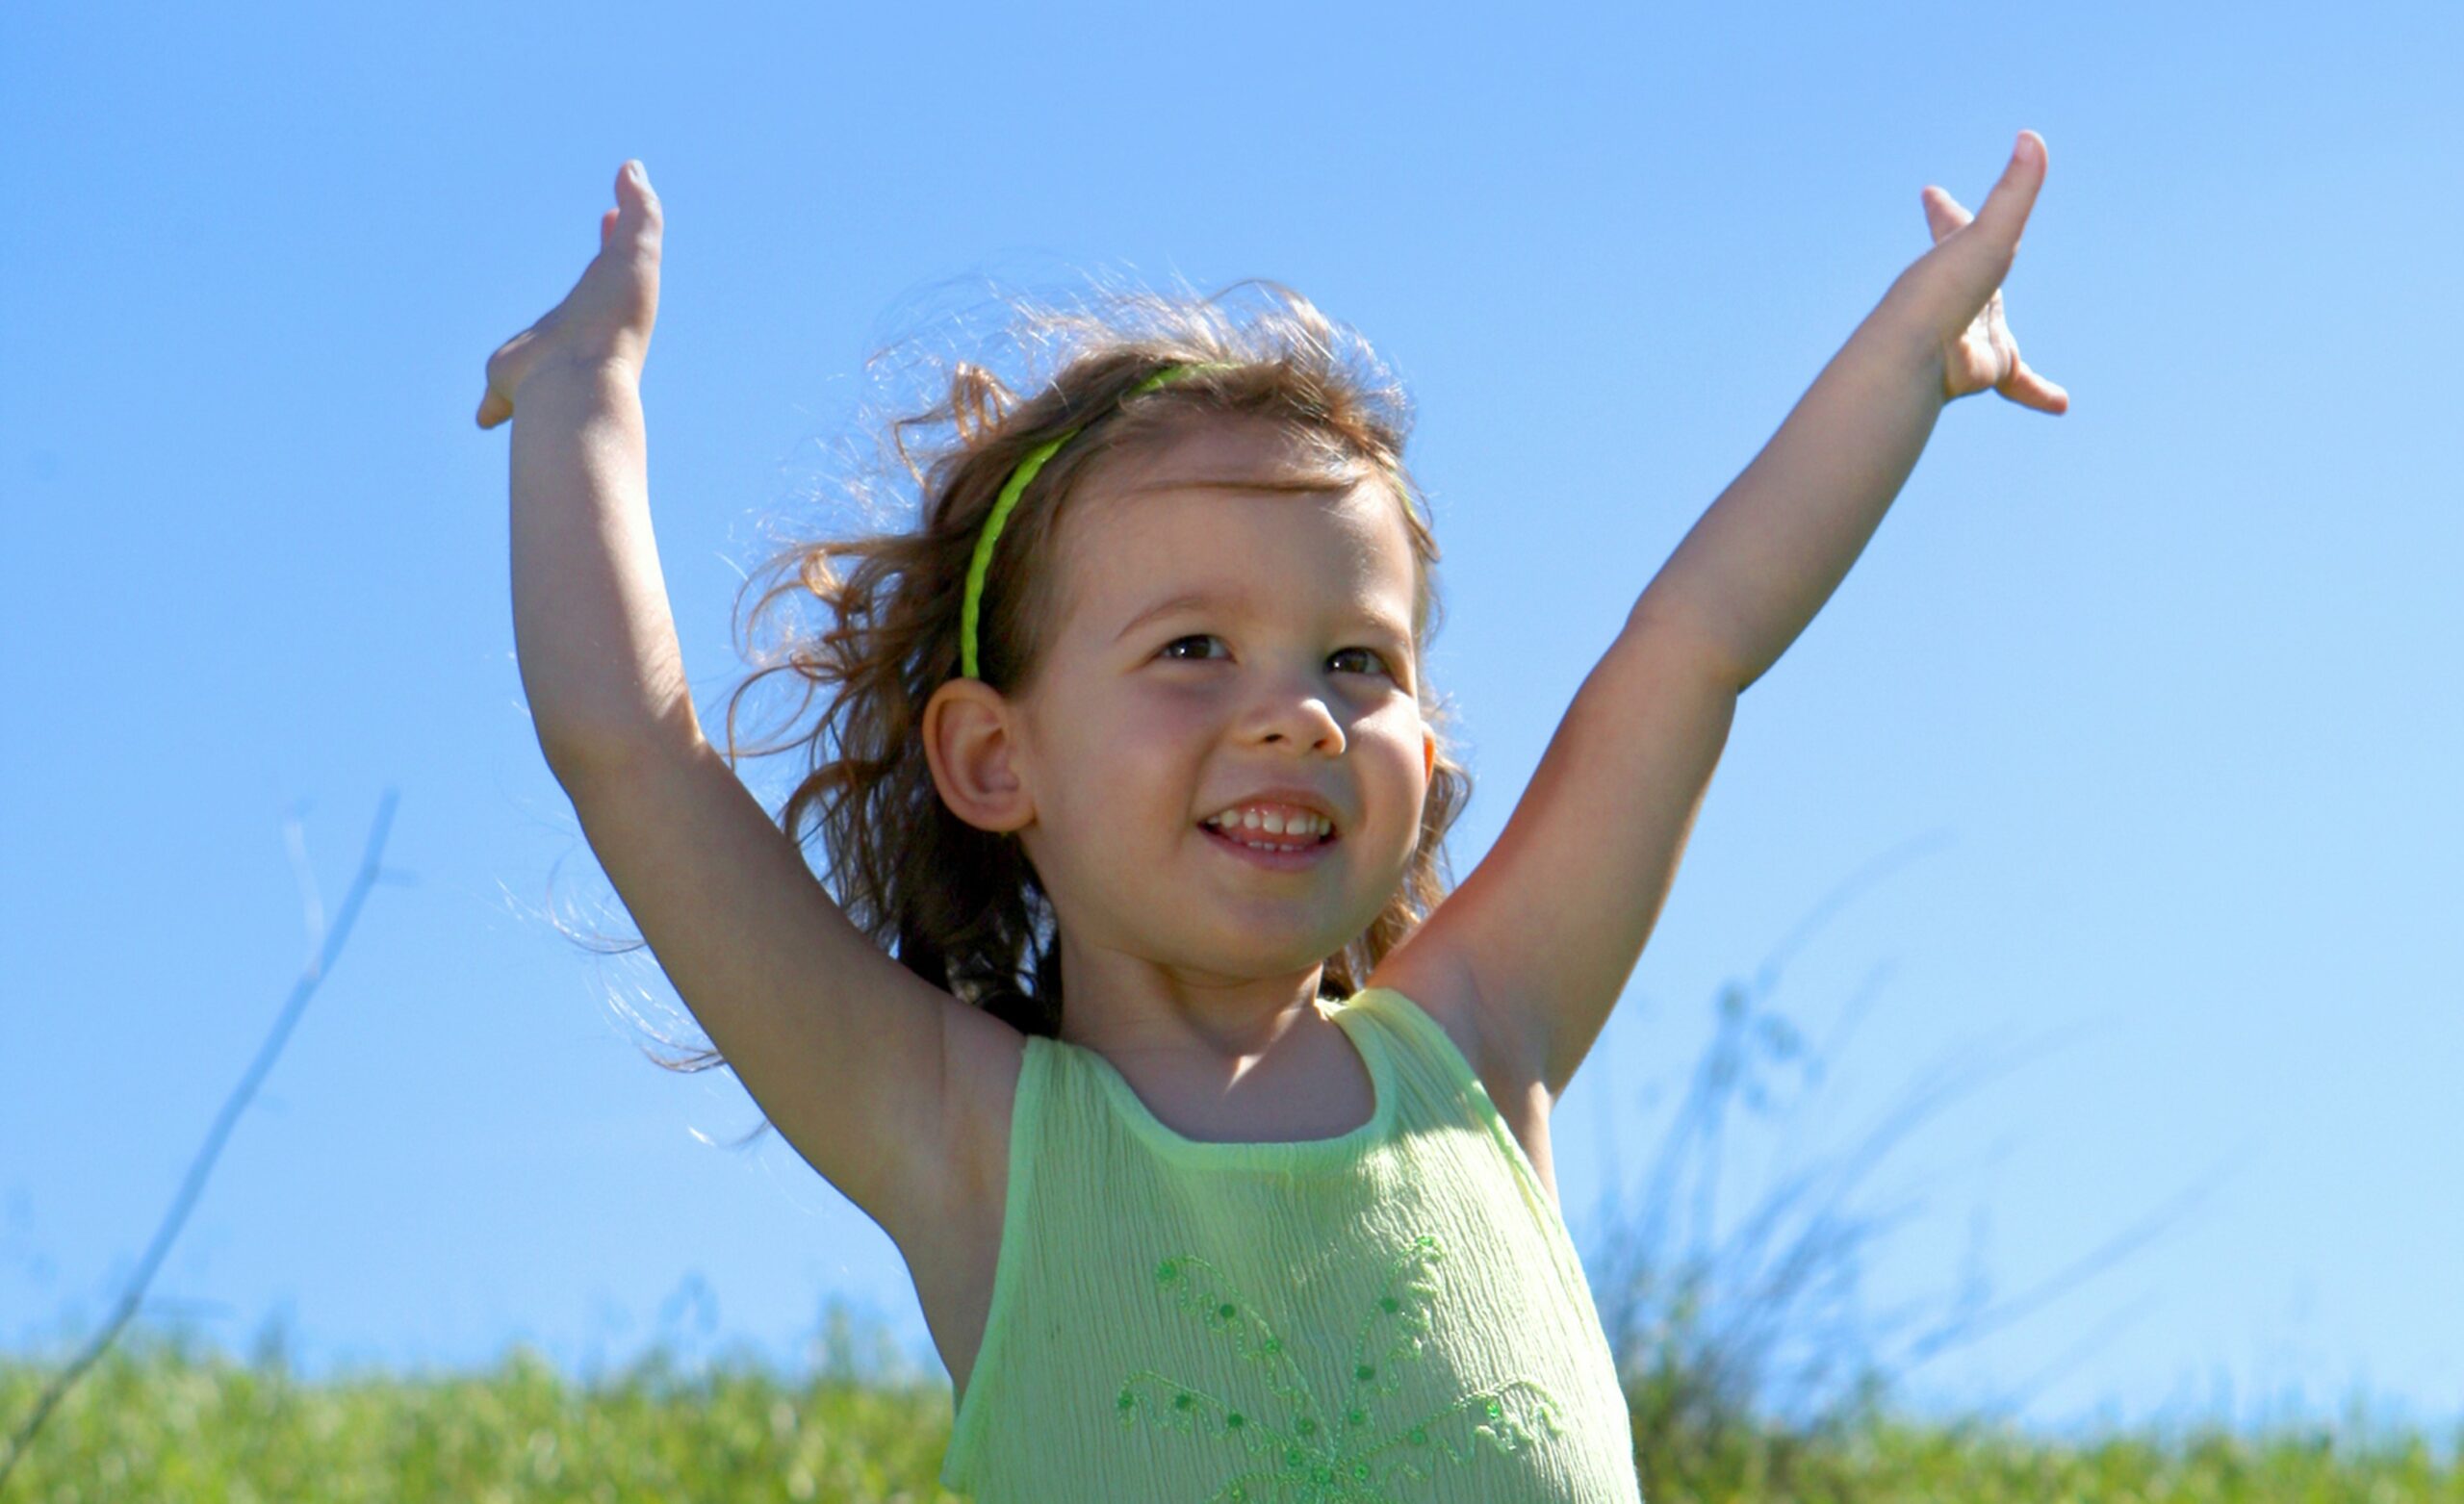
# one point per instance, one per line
(1116, 1003)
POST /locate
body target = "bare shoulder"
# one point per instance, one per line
(950, 1230)
(1511, 1075)
(1446, 991)
(982, 1056)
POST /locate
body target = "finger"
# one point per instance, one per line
(607, 227)
(494, 410)
(1942, 213)
(2006, 208)
(637, 206)
(2025, 385)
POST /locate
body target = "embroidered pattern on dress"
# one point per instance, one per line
(1304, 1453)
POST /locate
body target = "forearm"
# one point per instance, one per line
(1758, 565)
(593, 633)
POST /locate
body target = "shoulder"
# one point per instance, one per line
(1446, 992)
(1508, 1067)
(958, 1193)
(983, 1060)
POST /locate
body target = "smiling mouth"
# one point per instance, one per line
(1279, 857)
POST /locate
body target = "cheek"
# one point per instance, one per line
(1136, 764)
(1398, 735)
(1384, 758)
(1157, 726)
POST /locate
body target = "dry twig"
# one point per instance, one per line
(322, 947)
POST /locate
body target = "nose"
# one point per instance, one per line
(1292, 711)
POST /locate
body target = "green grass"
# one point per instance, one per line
(158, 1419)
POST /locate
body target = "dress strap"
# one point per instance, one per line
(1420, 1044)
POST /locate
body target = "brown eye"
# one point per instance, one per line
(1201, 637)
(1372, 652)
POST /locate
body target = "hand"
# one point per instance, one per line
(607, 317)
(1954, 291)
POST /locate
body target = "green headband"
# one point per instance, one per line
(1009, 493)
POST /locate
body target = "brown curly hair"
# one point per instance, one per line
(959, 906)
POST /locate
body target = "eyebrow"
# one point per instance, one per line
(1191, 599)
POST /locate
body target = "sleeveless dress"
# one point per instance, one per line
(1394, 1315)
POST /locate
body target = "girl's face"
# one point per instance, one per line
(1216, 639)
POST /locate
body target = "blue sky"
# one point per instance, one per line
(2127, 751)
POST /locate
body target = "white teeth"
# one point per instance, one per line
(1271, 823)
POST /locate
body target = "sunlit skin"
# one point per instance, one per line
(1960, 291)
(1172, 949)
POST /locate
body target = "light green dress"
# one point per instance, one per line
(1395, 1315)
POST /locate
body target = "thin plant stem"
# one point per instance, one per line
(323, 946)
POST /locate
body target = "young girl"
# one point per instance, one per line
(1213, 1129)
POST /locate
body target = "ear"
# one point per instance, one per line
(1428, 756)
(969, 741)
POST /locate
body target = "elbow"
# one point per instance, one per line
(1683, 635)
(598, 754)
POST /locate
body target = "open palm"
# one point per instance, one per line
(608, 315)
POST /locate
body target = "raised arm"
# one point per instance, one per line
(1547, 928)
(845, 1049)
(1749, 576)
(593, 631)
